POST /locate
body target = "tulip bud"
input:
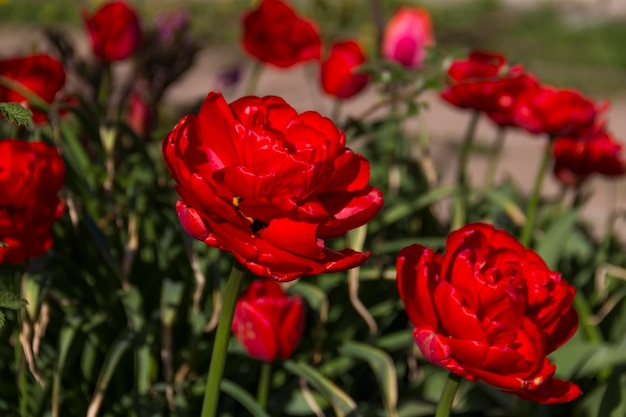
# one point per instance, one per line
(407, 35)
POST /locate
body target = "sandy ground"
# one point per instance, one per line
(445, 125)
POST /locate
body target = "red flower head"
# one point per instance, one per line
(274, 34)
(140, 115)
(489, 309)
(407, 35)
(337, 72)
(31, 175)
(575, 159)
(485, 82)
(555, 112)
(267, 322)
(41, 74)
(114, 30)
(269, 185)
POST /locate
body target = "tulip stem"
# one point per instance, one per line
(447, 396)
(494, 157)
(531, 208)
(460, 201)
(222, 334)
(254, 79)
(264, 384)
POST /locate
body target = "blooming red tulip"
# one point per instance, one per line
(555, 112)
(31, 175)
(269, 185)
(577, 158)
(407, 35)
(114, 30)
(274, 34)
(489, 309)
(267, 322)
(337, 72)
(40, 74)
(486, 83)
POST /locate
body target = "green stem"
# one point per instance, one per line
(460, 201)
(531, 209)
(494, 157)
(336, 110)
(265, 380)
(222, 334)
(254, 79)
(447, 396)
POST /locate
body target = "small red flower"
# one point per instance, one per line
(555, 112)
(276, 35)
(114, 30)
(489, 309)
(486, 83)
(267, 322)
(407, 35)
(260, 180)
(140, 115)
(40, 74)
(31, 175)
(337, 71)
(577, 158)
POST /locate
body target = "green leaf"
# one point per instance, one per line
(17, 114)
(243, 397)
(11, 300)
(2, 319)
(341, 402)
(383, 367)
(551, 246)
(68, 331)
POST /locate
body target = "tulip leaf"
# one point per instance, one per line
(68, 331)
(17, 114)
(383, 367)
(341, 402)
(504, 202)
(402, 210)
(551, 246)
(604, 357)
(243, 397)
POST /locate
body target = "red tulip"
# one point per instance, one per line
(338, 71)
(489, 309)
(267, 322)
(577, 158)
(407, 35)
(114, 30)
(40, 74)
(275, 35)
(139, 115)
(269, 185)
(555, 112)
(31, 175)
(486, 83)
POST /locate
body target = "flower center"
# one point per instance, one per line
(255, 225)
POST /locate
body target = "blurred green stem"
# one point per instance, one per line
(447, 396)
(218, 357)
(257, 69)
(494, 157)
(264, 384)
(336, 110)
(460, 201)
(531, 209)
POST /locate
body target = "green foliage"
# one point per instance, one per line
(17, 114)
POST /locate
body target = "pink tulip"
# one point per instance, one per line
(407, 35)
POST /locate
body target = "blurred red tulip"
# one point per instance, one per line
(114, 30)
(41, 74)
(31, 175)
(275, 35)
(139, 115)
(489, 309)
(577, 158)
(337, 72)
(267, 322)
(407, 35)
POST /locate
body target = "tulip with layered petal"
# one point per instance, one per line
(260, 180)
(337, 72)
(489, 309)
(31, 175)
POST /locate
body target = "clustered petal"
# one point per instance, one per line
(489, 309)
(269, 185)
